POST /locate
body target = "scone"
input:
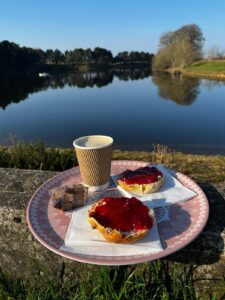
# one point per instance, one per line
(142, 181)
(121, 220)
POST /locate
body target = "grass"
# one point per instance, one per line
(208, 168)
(156, 280)
(207, 68)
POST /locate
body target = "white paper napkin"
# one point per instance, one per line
(171, 192)
(82, 239)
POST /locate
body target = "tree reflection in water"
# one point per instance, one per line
(178, 88)
(17, 87)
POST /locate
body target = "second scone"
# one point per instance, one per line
(142, 180)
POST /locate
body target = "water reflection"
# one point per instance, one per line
(180, 89)
(72, 111)
(135, 74)
(17, 87)
(211, 84)
(81, 80)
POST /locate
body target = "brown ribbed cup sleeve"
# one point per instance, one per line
(95, 165)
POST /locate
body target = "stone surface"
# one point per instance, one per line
(23, 255)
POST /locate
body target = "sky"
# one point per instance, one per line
(118, 25)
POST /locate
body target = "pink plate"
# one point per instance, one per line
(178, 224)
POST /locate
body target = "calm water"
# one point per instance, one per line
(132, 106)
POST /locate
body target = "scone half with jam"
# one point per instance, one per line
(142, 180)
(121, 220)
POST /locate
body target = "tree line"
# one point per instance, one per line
(12, 56)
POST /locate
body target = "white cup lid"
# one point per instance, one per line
(93, 142)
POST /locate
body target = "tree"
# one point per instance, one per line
(102, 55)
(14, 57)
(57, 57)
(180, 48)
(133, 57)
(122, 57)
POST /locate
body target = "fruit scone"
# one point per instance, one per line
(121, 220)
(142, 180)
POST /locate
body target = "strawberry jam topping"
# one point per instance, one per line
(141, 176)
(123, 214)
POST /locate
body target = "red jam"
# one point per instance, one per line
(141, 176)
(123, 214)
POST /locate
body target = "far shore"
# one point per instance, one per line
(183, 72)
(214, 69)
(50, 68)
(212, 76)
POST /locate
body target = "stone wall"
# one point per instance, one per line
(22, 255)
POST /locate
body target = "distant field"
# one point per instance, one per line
(211, 68)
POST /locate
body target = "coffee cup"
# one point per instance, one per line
(94, 154)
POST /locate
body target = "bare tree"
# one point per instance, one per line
(215, 53)
(179, 48)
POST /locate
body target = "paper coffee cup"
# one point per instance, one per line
(94, 154)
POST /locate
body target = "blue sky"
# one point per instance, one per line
(113, 24)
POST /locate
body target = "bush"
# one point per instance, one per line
(37, 156)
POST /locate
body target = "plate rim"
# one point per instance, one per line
(100, 260)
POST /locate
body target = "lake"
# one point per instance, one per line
(134, 107)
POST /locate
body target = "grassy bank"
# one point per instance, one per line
(203, 69)
(208, 168)
(208, 69)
